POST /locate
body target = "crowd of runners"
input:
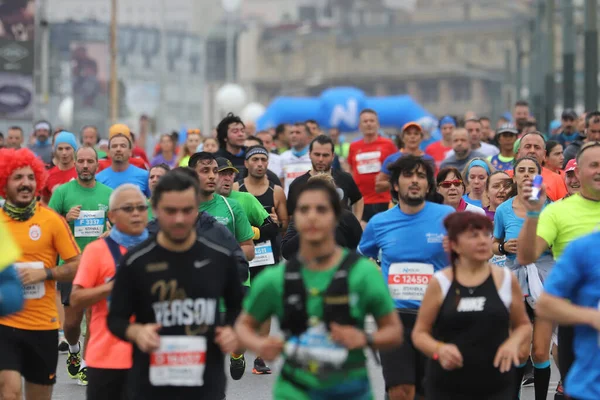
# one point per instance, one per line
(472, 249)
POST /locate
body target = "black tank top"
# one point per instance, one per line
(267, 199)
(477, 321)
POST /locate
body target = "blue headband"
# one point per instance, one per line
(478, 163)
(447, 120)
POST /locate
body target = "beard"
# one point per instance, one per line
(412, 201)
(176, 240)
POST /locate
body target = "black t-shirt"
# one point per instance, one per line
(180, 291)
(347, 187)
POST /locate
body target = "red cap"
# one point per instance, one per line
(413, 125)
(571, 165)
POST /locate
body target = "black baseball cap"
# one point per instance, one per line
(568, 113)
(225, 164)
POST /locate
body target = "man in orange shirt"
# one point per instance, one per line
(28, 338)
(108, 358)
(533, 145)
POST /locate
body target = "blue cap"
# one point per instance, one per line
(65, 138)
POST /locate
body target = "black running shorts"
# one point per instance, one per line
(65, 292)
(32, 353)
(107, 384)
(404, 365)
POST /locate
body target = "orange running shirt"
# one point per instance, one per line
(104, 350)
(42, 238)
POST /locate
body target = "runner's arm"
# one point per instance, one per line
(290, 242)
(382, 183)
(11, 291)
(389, 332)
(530, 246)
(521, 329)
(248, 249)
(281, 208)
(85, 297)
(121, 305)
(358, 208)
(67, 271)
(563, 312)
(430, 307)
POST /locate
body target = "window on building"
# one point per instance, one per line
(429, 91)
(397, 88)
(461, 89)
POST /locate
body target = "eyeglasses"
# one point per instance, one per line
(448, 184)
(129, 209)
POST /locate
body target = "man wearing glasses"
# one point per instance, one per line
(108, 358)
(83, 202)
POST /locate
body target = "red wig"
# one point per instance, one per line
(11, 160)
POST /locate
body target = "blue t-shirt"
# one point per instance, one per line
(134, 175)
(576, 277)
(469, 200)
(507, 225)
(409, 248)
(393, 157)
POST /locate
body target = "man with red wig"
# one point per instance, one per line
(28, 338)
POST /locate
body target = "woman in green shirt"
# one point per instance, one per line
(324, 331)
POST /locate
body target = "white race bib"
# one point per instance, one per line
(89, 224)
(263, 254)
(180, 361)
(499, 261)
(368, 163)
(314, 349)
(408, 281)
(37, 290)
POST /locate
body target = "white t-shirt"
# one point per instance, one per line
(488, 149)
(293, 167)
(475, 209)
(275, 164)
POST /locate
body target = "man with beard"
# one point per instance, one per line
(121, 170)
(418, 224)
(42, 147)
(28, 338)
(462, 151)
(14, 137)
(321, 152)
(65, 145)
(83, 203)
(172, 284)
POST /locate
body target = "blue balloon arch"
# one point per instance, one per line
(340, 107)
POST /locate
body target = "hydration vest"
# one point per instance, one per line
(336, 299)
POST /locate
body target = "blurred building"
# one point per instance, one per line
(448, 55)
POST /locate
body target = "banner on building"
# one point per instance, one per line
(17, 28)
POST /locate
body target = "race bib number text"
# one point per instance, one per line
(368, 163)
(34, 291)
(263, 254)
(408, 281)
(89, 224)
(180, 361)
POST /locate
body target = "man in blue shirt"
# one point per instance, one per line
(572, 297)
(407, 239)
(120, 170)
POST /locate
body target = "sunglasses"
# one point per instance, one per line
(447, 184)
(129, 209)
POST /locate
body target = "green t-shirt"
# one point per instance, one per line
(150, 213)
(184, 161)
(94, 205)
(101, 154)
(564, 221)
(255, 211)
(232, 216)
(368, 295)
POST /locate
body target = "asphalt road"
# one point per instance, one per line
(258, 387)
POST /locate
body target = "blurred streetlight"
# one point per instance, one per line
(230, 7)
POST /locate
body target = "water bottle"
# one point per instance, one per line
(536, 187)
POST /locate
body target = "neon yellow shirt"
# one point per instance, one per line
(9, 251)
(565, 220)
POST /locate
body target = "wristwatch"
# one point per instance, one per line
(370, 340)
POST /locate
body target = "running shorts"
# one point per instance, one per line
(404, 365)
(32, 353)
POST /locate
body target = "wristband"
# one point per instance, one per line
(533, 214)
(256, 232)
(501, 249)
(370, 341)
(436, 355)
(49, 276)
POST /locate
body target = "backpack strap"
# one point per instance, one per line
(115, 250)
(232, 214)
(336, 299)
(295, 317)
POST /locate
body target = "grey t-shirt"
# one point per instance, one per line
(452, 161)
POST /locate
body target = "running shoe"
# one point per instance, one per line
(528, 379)
(63, 346)
(82, 378)
(260, 368)
(237, 367)
(74, 363)
(560, 392)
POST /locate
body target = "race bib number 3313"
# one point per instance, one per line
(408, 281)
